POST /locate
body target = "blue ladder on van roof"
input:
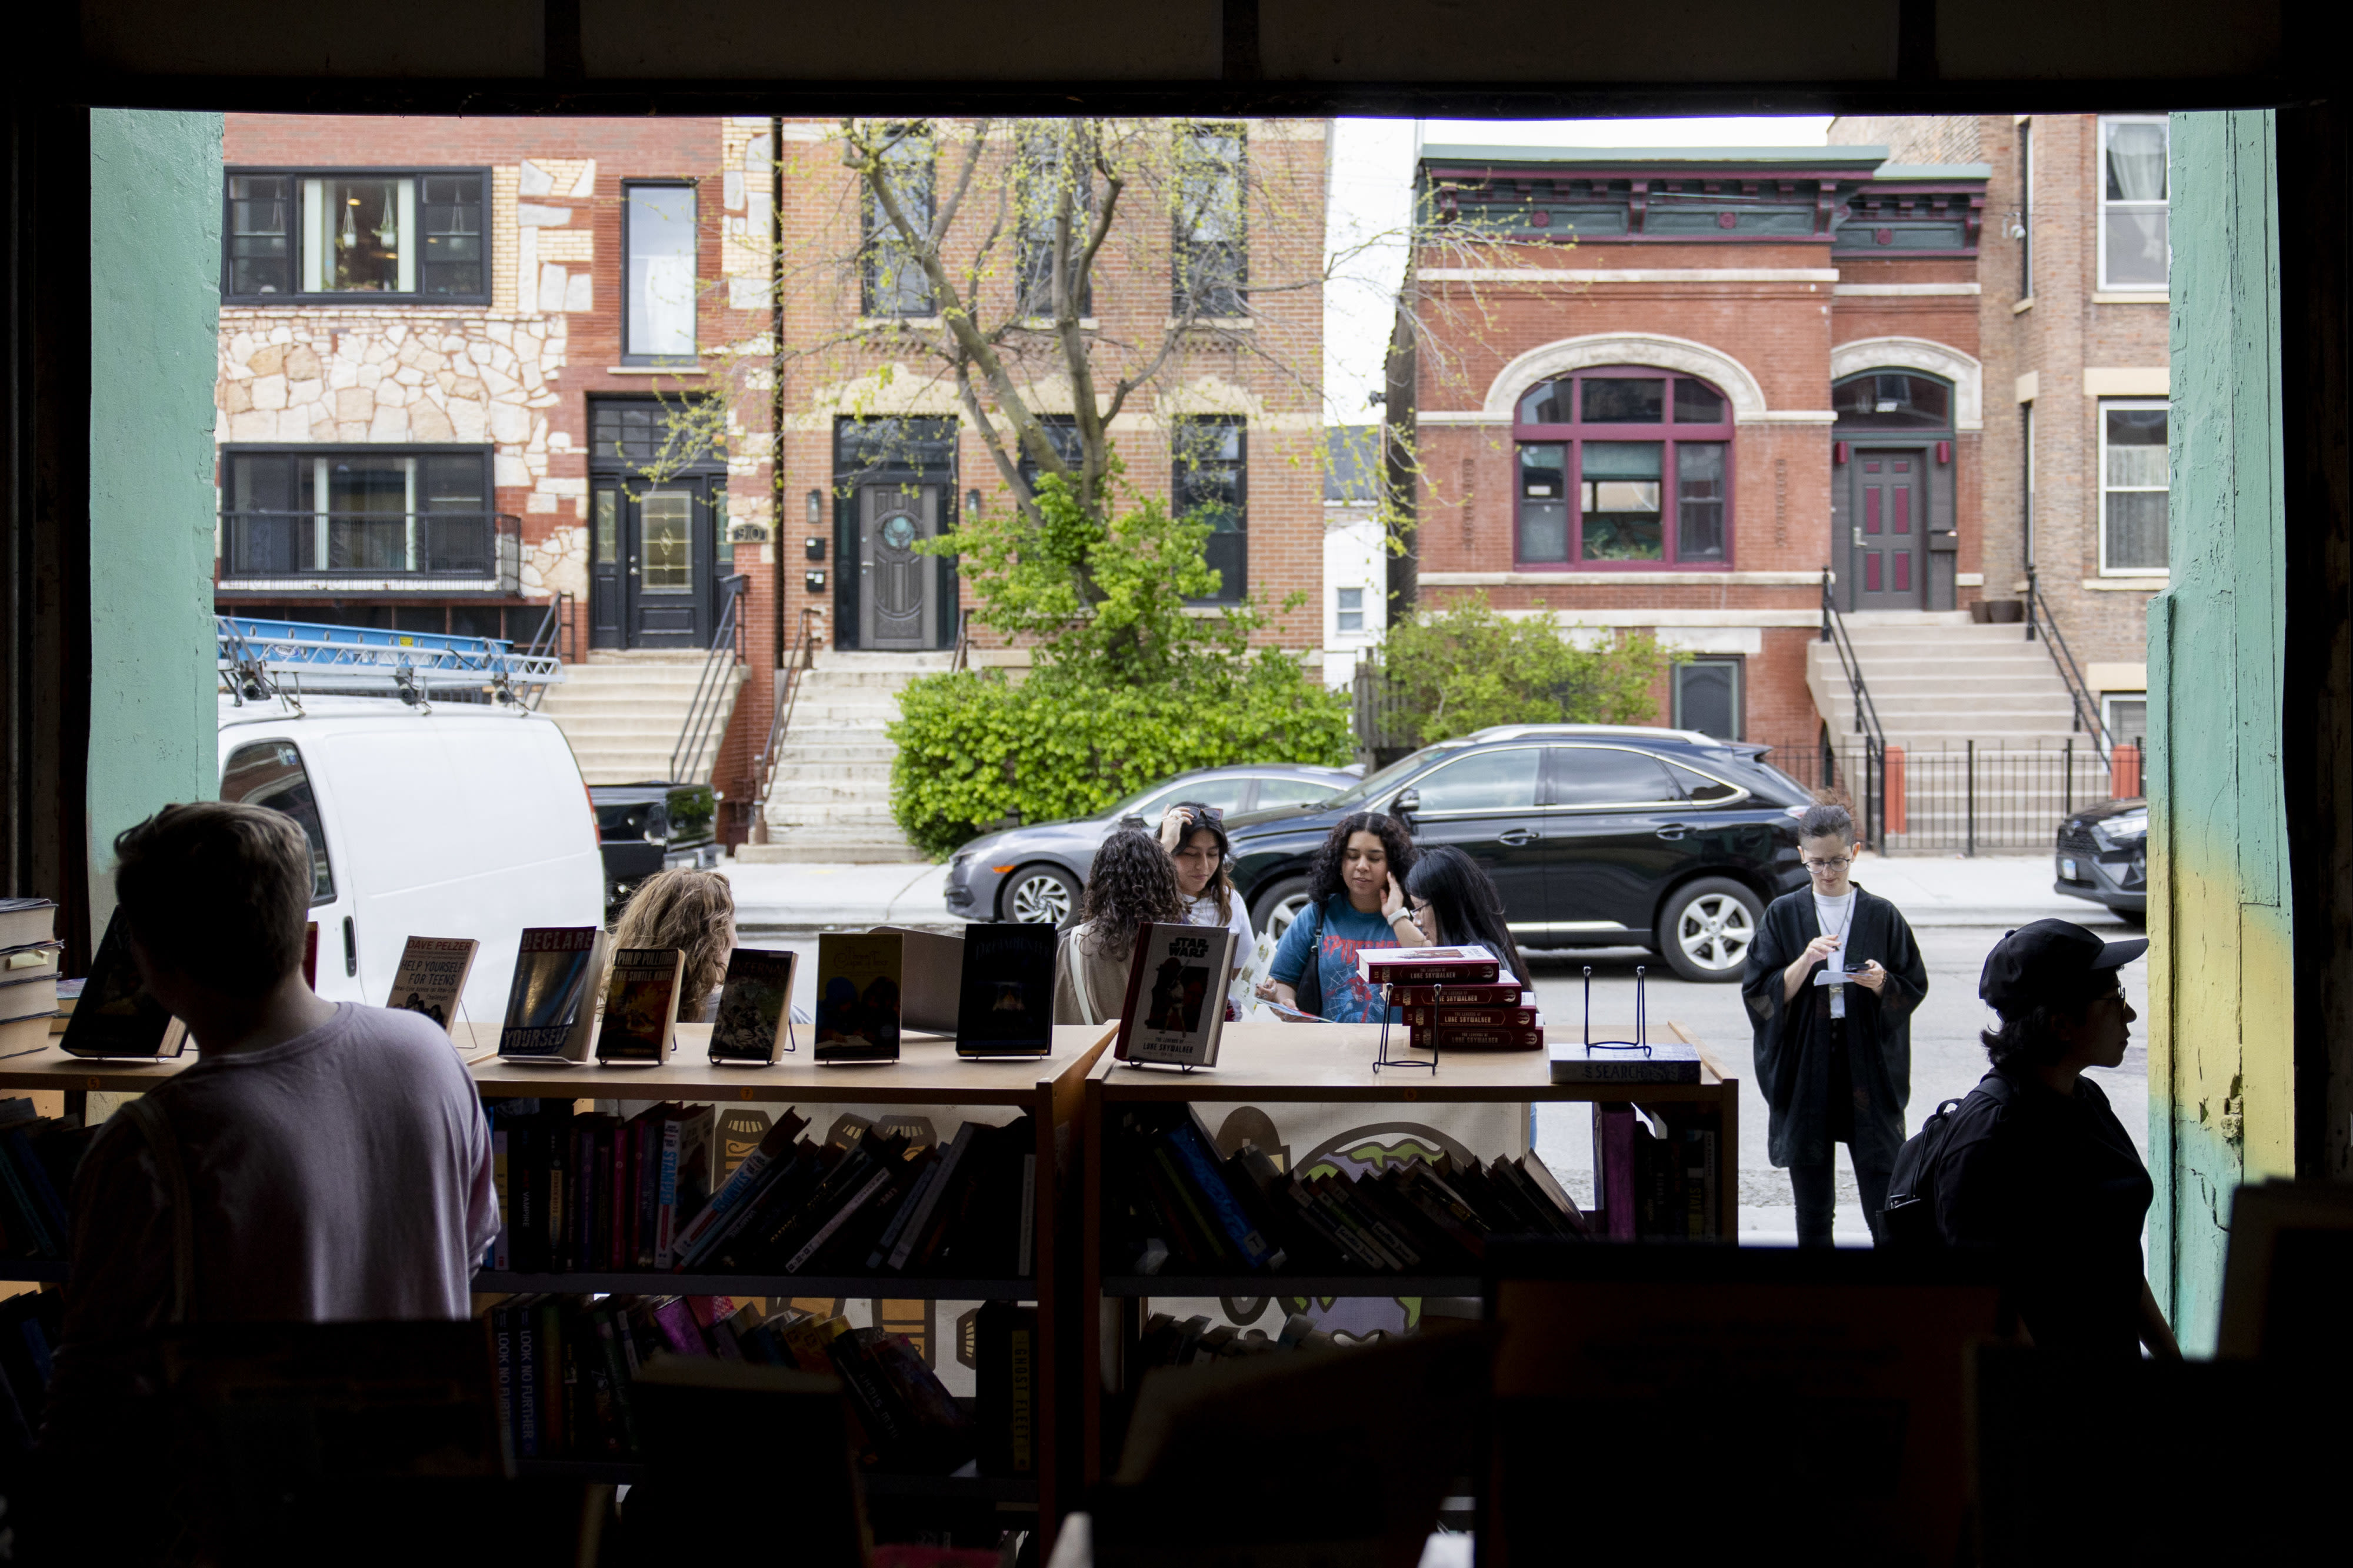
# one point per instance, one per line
(369, 656)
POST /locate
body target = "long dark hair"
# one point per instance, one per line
(1132, 884)
(1323, 878)
(1464, 903)
(1221, 881)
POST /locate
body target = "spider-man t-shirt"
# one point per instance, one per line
(1346, 931)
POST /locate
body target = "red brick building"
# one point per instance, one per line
(1697, 379)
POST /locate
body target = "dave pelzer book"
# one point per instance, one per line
(641, 1005)
(552, 1007)
(857, 998)
(1175, 1008)
(754, 1006)
(1007, 1004)
(432, 976)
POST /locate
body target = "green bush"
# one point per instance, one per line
(976, 748)
(1466, 667)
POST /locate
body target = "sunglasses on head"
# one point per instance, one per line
(1202, 812)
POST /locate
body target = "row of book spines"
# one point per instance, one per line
(1662, 1177)
(36, 1161)
(595, 1191)
(31, 1324)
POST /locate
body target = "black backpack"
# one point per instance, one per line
(1908, 1222)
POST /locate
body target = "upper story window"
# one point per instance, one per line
(657, 236)
(389, 234)
(1623, 467)
(892, 281)
(1210, 260)
(1892, 400)
(1209, 483)
(1052, 172)
(1061, 433)
(2134, 248)
(2134, 481)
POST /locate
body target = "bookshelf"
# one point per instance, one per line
(1332, 1064)
(929, 1073)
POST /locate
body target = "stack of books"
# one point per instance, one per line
(30, 953)
(37, 1156)
(1175, 1206)
(1663, 1158)
(1455, 998)
(567, 1366)
(591, 1193)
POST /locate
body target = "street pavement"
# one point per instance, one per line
(1958, 908)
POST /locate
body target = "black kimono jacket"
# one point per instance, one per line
(1793, 1040)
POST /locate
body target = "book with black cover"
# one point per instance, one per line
(1574, 1062)
(116, 1016)
(754, 1006)
(1006, 1377)
(551, 1006)
(1006, 1008)
(857, 997)
(431, 978)
(641, 1005)
(1176, 1005)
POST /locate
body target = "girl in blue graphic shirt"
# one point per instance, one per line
(1357, 901)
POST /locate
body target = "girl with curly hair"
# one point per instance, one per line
(1357, 901)
(693, 911)
(1132, 885)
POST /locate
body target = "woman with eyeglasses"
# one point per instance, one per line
(1831, 983)
(1453, 900)
(1357, 900)
(1194, 834)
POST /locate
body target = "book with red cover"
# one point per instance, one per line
(1506, 993)
(1463, 965)
(1473, 1038)
(1477, 1017)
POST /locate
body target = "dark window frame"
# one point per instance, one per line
(230, 454)
(1033, 232)
(1738, 665)
(295, 174)
(693, 189)
(1574, 432)
(1185, 251)
(1233, 584)
(875, 237)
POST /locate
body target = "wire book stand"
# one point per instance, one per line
(1640, 1042)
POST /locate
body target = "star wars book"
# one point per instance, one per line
(754, 1006)
(857, 998)
(1175, 1006)
(116, 1016)
(1466, 965)
(551, 1006)
(640, 1005)
(432, 975)
(1006, 1008)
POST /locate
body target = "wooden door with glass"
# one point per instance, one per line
(650, 567)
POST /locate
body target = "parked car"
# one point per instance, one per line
(460, 820)
(643, 828)
(1596, 835)
(2103, 856)
(1035, 873)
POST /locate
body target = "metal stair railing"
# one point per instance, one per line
(1873, 796)
(711, 689)
(802, 658)
(558, 627)
(2079, 691)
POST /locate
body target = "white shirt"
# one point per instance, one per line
(1203, 911)
(1836, 917)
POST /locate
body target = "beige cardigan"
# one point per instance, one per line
(1090, 988)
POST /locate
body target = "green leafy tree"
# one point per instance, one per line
(1466, 667)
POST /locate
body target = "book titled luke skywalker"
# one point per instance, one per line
(1175, 1006)
(116, 1016)
(552, 1007)
(755, 1005)
(1465, 965)
(1007, 1008)
(432, 975)
(641, 1005)
(857, 998)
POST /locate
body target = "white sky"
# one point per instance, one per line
(1372, 174)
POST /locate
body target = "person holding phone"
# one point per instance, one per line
(1195, 837)
(1357, 901)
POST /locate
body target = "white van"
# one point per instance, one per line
(460, 820)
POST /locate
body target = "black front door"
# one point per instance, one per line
(651, 566)
(1887, 516)
(898, 607)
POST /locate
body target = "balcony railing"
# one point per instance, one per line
(437, 551)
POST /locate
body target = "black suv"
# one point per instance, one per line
(1596, 835)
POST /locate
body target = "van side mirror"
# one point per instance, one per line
(1407, 802)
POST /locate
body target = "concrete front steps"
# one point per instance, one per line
(622, 711)
(830, 798)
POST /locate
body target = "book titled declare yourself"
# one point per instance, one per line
(552, 1007)
(857, 998)
(1006, 1006)
(755, 1005)
(432, 975)
(641, 1005)
(1175, 1006)
(116, 1016)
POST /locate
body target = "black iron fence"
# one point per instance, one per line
(483, 548)
(1970, 796)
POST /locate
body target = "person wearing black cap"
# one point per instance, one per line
(2035, 1167)
(1831, 983)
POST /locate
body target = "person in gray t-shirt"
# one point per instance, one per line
(336, 1162)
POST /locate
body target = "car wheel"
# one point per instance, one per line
(1279, 905)
(1707, 928)
(1040, 895)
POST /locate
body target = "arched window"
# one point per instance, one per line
(1622, 466)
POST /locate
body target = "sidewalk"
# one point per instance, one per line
(1992, 889)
